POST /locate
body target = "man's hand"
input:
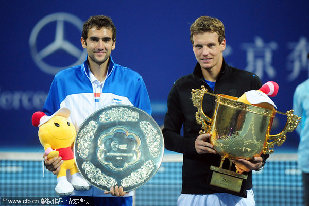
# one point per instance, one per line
(202, 144)
(247, 165)
(116, 191)
(53, 164)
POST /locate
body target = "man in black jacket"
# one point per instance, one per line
(211, 70)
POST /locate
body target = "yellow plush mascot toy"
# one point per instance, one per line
(57, 135)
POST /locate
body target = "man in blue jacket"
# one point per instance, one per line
(301, 109)
(96, 83)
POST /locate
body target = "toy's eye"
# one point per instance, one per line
(68, 123)
(56, 124)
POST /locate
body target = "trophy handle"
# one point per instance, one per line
(201, 118)
(278, 139)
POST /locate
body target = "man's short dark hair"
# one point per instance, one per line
(98, 21)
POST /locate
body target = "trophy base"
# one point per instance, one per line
(227, 179)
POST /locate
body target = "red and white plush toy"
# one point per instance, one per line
(57, 135)
(260, 97)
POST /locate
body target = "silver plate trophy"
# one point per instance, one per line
(119, 145)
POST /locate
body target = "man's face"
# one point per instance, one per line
(208, 50)
(99, 44)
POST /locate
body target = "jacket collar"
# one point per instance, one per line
(110, 67)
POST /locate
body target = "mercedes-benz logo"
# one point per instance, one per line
(58, 43)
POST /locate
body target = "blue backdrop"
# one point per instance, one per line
(39, 38)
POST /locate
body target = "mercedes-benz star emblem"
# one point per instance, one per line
(58, 43)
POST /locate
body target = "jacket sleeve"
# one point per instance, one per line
(173, 123)
(256, 83)
(52, 103)
(142, 100)
(297, 106)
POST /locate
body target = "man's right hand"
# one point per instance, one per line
(116, 191)
(202, 144)
(53, 164)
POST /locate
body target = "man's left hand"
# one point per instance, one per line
(254, 164)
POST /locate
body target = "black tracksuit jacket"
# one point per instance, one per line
(180, 116)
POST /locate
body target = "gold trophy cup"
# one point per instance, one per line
(239, 131)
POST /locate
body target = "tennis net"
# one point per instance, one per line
(21, 177)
